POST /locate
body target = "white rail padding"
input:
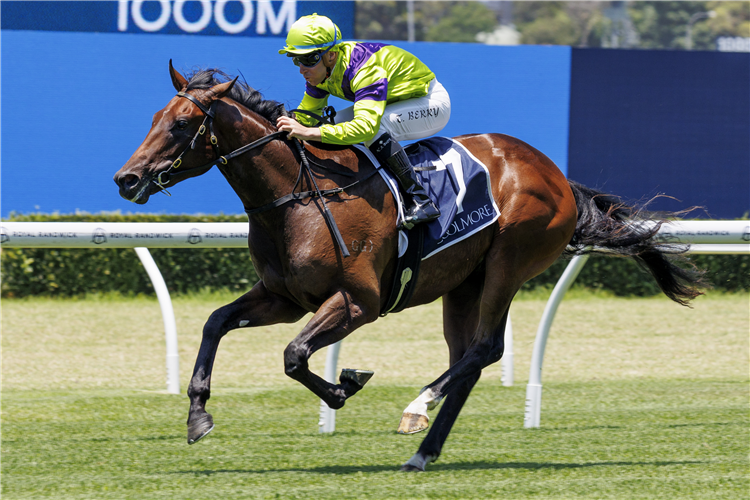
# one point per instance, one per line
(708, 232)
(123, 234)
(702, 236)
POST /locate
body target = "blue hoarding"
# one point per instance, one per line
(674, 122)
(76, 105)
(204, 17)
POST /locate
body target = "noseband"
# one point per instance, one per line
(163, 178)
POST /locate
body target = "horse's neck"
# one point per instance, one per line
(260, 175)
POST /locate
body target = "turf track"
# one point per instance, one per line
(628, 410)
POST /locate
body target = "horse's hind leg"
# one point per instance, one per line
(432, 445)
(479, 344)
(460, 320)
(430, 448)
(258, 307)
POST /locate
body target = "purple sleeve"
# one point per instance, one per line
(377, 91)
(315, 91)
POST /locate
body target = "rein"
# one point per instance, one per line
(328, 115)
(306, 194)
(222, 159)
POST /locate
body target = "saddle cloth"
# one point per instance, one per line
(457, 182)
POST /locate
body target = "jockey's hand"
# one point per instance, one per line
(296, 129)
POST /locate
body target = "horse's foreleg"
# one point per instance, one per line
(258, 307)
(337, 317)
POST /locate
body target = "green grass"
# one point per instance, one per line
(642, 399)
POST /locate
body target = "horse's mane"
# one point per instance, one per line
(241, 92)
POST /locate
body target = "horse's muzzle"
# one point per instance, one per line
(132, 187)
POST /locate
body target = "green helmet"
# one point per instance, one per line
(311, 33)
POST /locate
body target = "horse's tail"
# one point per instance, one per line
(607, 225)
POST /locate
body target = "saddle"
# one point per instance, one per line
(460, 186)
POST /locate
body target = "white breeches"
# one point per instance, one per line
(411, 119)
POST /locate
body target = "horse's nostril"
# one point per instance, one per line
(127, 181)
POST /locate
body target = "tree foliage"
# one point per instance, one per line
(732, 18)
(463, 22)
(656, 24)
(545, 23)
(433, 21)
(646, 24)
(663, 25)
(381, 21)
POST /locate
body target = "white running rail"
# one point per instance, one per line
(703, 236)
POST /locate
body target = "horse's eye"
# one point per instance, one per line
(182, 124)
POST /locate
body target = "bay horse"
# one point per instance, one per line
(302, 269)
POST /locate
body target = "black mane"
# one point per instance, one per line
(241, 92)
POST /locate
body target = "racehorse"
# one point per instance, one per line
(303, 269)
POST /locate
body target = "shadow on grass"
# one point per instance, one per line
(479, 465)
(704, 424)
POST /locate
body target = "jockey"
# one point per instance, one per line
(396, 98)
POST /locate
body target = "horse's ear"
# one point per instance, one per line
(179, 81)
(222, 89)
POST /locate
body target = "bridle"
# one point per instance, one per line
(209, 113)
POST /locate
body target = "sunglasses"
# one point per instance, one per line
(312, 59)
(308, 60)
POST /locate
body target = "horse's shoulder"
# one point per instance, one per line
(322, 146)
(331, 151)
(331, 155)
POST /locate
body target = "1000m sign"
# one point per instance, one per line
(231, 17)
(177, 17)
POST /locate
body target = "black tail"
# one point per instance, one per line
(607, 225)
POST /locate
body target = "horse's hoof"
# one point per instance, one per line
(199, 427)
(412, 423)
(410, 468)
(418, 462)
(357, 377)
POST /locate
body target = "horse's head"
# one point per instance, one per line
(177, 147)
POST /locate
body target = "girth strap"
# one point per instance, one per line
(407, 272)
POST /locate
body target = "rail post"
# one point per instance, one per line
(327, 422)
(532, 413)
(167, 314)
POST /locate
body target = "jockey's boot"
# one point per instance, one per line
(420, 208)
